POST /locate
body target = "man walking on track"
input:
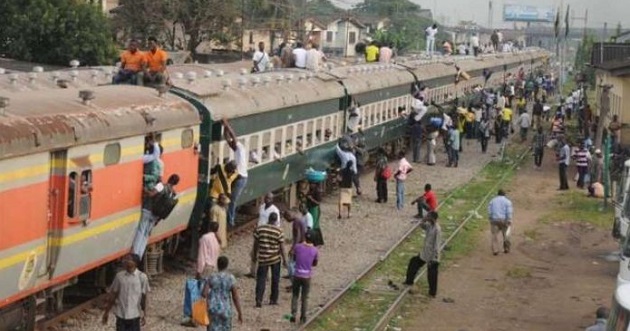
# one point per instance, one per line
(500, 215)
(430, 254)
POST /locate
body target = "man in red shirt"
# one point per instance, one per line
(426, 202)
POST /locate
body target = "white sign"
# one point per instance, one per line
(522, 13)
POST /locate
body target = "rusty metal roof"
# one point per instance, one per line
(51, 119)
(239, 94)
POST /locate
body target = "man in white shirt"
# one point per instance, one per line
(299, 56)
(430, 34)
(474, 43)
(241, 158)
(461, 49)
(314, 58)
(261, 59)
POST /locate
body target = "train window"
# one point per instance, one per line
(187, 138)
(85, 202)
(266, 142)
(111, 154)
(72, 184)
(300, 135)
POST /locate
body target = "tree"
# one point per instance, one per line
(618, 31)
(197, 20)
(391, 8)
(55, 32)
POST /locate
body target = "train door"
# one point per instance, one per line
(56, 209)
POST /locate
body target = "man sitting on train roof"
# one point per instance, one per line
(154, 73)
(132, 62)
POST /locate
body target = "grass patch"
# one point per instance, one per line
(361, 308)
(519, 273)
(575, 206)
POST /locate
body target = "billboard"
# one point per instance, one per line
(522, 13)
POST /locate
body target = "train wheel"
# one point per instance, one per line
(29, 311)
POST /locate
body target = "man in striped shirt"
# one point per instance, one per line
(269, 253)
(582, 158)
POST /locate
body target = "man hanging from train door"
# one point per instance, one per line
(241, 157)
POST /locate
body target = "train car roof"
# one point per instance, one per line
(49, 119)
(240, 94)
(364, 78)
(37, 80)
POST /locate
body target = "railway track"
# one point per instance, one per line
(56, 323)
(381, 317)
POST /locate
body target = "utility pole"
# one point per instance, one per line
(242, 30)
(580, 18)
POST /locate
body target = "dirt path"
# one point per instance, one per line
(554, 278)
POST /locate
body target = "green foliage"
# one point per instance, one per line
(196, 20)
(322, 9)
(55, 32)
(583, 56)
(390, 8)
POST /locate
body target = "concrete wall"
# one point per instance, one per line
(619, 101)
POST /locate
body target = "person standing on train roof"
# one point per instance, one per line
(371, 52)
(155, 70)
(261, 59)
(241, 158)
(266, 209)
(430, 34)
(218, 214)
(128, 296)
(404, 168)
(132, 62)
(299, 56)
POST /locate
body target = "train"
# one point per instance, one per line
(71, 147)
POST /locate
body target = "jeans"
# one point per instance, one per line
(261, 282)
(381, 190)
(430, 45)
(147, 221)
(302, 285)
(416, 143)
(125, 76)
(582, 171)
(562, 169)
(538, 156)
(400, 194)
(237, 189)
(127, 325)
(415, 263)
(453, 156)
(422, 208)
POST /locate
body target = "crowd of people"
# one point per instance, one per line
(485, 113)
(472, 46)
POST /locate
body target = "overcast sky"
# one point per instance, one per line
(599, 11)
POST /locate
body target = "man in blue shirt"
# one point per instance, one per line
(500, 215)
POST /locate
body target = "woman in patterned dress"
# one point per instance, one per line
(220, 291)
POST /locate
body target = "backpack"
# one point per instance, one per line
(164, 203)
(386, 173)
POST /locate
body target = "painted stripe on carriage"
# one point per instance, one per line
(43, 170)
(82, 235)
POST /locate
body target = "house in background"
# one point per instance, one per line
(314, 30)
(342, 35)
(612, 64)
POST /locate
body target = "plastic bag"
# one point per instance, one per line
(192, 293)
(200, 312)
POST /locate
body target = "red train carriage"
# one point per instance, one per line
(71, 182)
